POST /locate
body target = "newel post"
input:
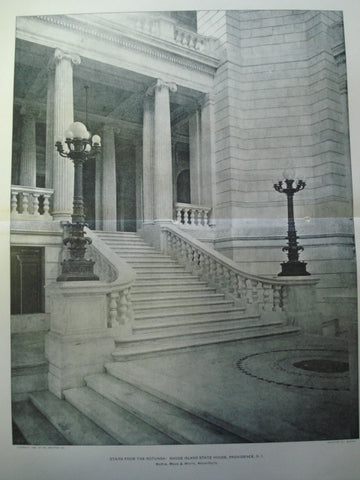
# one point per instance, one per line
(299, 297)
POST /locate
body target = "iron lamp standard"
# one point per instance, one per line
(293, 267)
(79, 148)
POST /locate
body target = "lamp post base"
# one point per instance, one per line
(77, 270)
(293, 269)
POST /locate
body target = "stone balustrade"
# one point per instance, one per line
(192, 40)
(291, 298)
(30, 202)
(118, 277)
(192, 215)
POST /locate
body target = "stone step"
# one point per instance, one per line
(186, 299)
(73, 425)
(35, 428)
(118, 422)
(159, 269)
(175, 422)
(185, 306)
(144, 348)
(162, 284)
(148, 260)
(178, 313)
(156, 330)
(164, 276)
(27, 349)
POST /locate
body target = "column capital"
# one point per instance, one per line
(159, 85)
(61, 55)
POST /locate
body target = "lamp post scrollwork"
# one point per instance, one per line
(78, 147)
(293, 267)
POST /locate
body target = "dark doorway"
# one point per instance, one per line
(27, 286)
(183, 187)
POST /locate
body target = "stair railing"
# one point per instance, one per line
(116, 278)
(256, 294)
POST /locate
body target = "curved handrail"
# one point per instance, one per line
(234, 266)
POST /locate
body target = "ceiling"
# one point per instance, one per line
(114, 94)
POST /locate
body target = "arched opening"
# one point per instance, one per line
(183, 187)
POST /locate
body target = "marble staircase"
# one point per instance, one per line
(174, 309)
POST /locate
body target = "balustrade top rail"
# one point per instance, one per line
(232, 266)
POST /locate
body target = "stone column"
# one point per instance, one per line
(148, 158)
(163, 197)
(109, 211)
(207, 163)
(28, 149)
(139, 186)
(50, 140)
(195, 158)
(98, 191)
(63, 168)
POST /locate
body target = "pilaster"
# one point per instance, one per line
(195, 157)
(50, 139)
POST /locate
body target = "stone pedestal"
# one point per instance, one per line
(300, 304)
(79, 342)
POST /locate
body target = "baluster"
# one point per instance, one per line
(268, 301)
(46, 205)
(186, 216)
(130, 311)
(277, 301)
(14, 202)
(35, 204)
(227, 279)
(241, 289)
(25, 203)
(113, 310)
(254, 293)
(232, 284)
(178, 215)
(122, 308)
(205, 218)
(220, 275)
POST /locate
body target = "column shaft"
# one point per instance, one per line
(109, 211)
(163, 197)
(63, 168)
(195, 158)
(208, 185)
(28, 151)
(139, 186)
(50, 140)
(148, 159)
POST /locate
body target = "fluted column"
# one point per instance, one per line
(50, 140)
(163, 197)
(98, 191)
(139, 185)
(195, 157)
(28, 149)
(109, 215)
(208, 156)
(148, 158)
(63, 168)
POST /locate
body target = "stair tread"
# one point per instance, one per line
(183, 427)
(127, 350)
(35, 428)
(122, 425)
(73, 425)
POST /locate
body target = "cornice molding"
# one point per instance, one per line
(160, 49)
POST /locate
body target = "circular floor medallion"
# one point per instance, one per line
(315, 369)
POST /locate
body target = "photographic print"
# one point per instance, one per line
(183, 264)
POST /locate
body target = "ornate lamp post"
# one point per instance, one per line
(79, 148)
(293, 266)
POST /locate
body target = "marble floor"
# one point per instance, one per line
(290, 388)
